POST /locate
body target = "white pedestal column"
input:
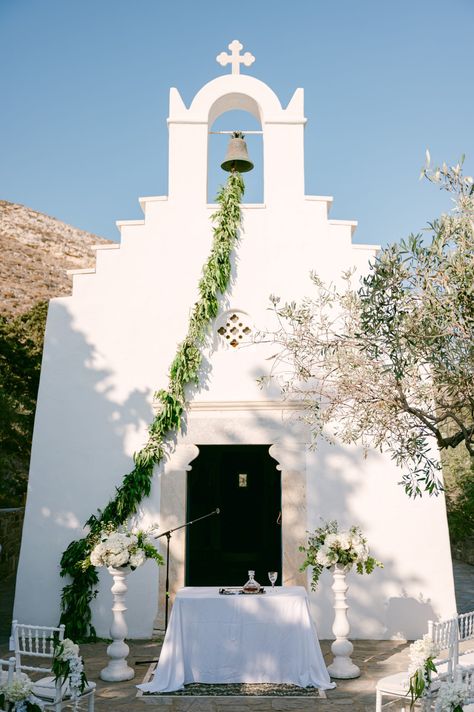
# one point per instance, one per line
(342, 666)
(117, 669)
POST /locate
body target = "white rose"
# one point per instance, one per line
(137, 559)
(322, 554)
(97, 554)
(71, 650)
(323, 557)
(17, 690)
(361, 552)
(331, 540)
(345, 540)
(116, 543)
(119, 559)
(95, 558)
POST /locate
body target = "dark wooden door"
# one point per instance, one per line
(243, 482)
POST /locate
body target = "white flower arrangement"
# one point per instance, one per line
(68, 667)
(420, 651)
(329, 546)
(16, 696)
(122, 548)
(422, 654)
(450, 697)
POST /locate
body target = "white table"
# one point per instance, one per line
(263, 638)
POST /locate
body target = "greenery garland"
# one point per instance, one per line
(77, 595)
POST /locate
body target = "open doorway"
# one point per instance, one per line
(244, 483)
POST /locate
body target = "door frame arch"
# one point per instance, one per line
(234, 423)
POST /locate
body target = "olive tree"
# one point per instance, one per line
(389, 362)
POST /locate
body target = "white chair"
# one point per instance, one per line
(466, 632)
(464, 675)
(445, 635)
(38, 643)
(8, 674)
(7, 669)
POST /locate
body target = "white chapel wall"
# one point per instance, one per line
(109, 346)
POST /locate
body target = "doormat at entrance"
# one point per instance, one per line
(240, 690)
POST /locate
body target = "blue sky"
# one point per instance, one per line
(85, 83)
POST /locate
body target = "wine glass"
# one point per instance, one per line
(273, 575)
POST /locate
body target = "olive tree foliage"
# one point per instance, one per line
(387, 362)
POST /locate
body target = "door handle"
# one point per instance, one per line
(278, 520)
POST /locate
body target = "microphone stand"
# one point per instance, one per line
(168, 537)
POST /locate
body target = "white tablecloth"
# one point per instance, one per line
(213, 638)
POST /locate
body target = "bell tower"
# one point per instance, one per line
(283, 131)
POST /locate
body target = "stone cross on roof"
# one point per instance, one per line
(235, 58)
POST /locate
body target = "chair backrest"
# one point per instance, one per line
(462, 675)
(466, 626)
(7, 670)
(445, 634)
(465, 675)
(36, 642)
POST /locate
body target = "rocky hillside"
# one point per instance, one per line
(35, 252)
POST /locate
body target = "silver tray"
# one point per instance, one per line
(238, 590)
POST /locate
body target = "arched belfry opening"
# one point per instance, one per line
(219, 135)
(195, 157)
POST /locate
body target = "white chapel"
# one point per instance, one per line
(108, 348)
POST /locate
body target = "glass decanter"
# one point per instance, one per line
(251, 586)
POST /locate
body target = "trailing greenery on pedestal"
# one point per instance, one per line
(77, 595)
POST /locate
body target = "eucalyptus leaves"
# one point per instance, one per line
(77, 595)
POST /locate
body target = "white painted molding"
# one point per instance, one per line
(298, 122)
(124, 223)
(150, 199)
(115, 246)
(290, 458)
(86, 270)
(170, 121)
(243, 206)
(348, 223)
(321, 198)
(182, 457)
(371, 248)
(245, 405)
(352, 223)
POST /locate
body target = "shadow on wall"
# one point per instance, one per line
(85, 417)
(84, 434)
(393, 602)
(405, 613)
(379, 605)
(85, 430)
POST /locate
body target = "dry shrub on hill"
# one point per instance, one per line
(35, 252)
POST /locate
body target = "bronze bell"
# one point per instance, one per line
(237, 157)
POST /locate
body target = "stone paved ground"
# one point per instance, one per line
(375, 659)
(464, 582)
